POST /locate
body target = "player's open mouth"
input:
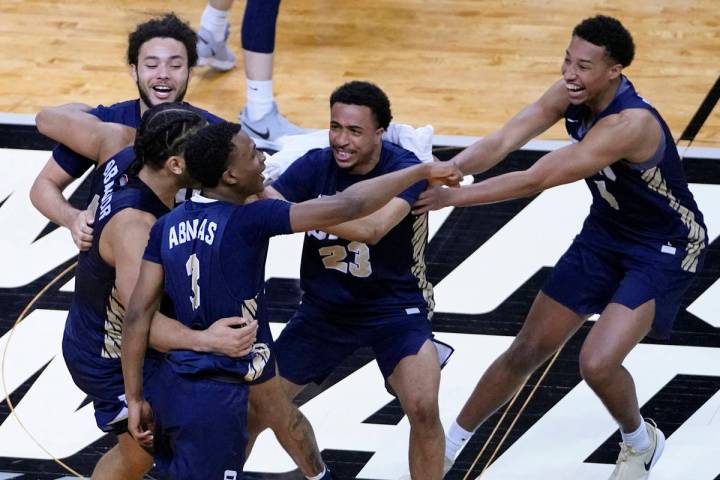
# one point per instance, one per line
(342, 155)
(162, 91)
(574, 88)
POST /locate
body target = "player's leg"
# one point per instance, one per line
(214, 30)
(416, 381)
(272, 407)
(580, 282)
(260, 118)
(125, 461)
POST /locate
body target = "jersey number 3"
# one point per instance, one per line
(333, 257)
(192, 266)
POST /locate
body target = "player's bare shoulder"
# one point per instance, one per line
(635, 128)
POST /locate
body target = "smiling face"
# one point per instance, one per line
(355, 137)
(590, 74)
(162, 71)
(246, 165)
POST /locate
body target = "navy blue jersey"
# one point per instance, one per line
(126, 113)
(352, 279)
(213, 254)
(645, 207)
(95, 319)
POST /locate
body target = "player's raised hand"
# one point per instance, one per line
(141, 423)
(446, 173)
(232, 336)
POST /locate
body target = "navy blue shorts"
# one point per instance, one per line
(587, 279)
(102, 381)
(312, 345)
(200, 425)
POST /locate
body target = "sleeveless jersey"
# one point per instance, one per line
(643, 209)
(95, 319)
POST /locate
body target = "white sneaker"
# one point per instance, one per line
(270, 127)
(632, 465)
(214, 53)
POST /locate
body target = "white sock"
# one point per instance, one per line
(639, 440)
(455, 440)
(259, 98)
(319, 475)
(215, 21)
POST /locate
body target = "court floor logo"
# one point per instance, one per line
(52, 418)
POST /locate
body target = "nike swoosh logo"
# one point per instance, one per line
(262, 135)
(649, 464)
(572, 120)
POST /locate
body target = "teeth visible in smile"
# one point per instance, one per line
(161, 88)
(573, 88)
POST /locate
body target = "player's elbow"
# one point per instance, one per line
(43, 120)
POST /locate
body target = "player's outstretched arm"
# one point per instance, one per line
(632, 135)
(365, 197)
(527, 124)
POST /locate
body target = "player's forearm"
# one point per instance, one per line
(363, 198)
(168, 334)
(359, 230)
(53, 121)
(497, 189)
(48, 199)
(482, 155)
(134, 344)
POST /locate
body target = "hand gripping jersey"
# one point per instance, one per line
(126, 113)
(645, 210)
(213, 254)
(353, 279)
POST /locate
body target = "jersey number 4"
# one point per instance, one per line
(192, 266)
(333, 257)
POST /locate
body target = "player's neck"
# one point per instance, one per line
(162, 184)
(366, 166)
(605, 98)
(225, 194)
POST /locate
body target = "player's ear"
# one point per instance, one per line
(133, 72)
(615, 71)
(228, 177)
(175, 164)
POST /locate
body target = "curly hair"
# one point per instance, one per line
(166, 26)
(208, 151)
(366, 94)
(164, 132)
(609, 33)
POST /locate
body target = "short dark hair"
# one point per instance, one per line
(164, 131)
(208, 151)
(608, 32)
(166, 26)
(366, 94)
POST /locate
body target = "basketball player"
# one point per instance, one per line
(364, 282)
(107, 271)
(270, 406)
(195, 252)
(638, 251)
(161, 54)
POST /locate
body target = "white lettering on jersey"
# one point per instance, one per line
(188, 231)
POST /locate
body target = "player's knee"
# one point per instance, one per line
(421, 411)
(594, 368)
(525, 355)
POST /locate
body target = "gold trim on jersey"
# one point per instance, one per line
(696, 233)
(249, 308)
(114, 315)
(418, 269)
